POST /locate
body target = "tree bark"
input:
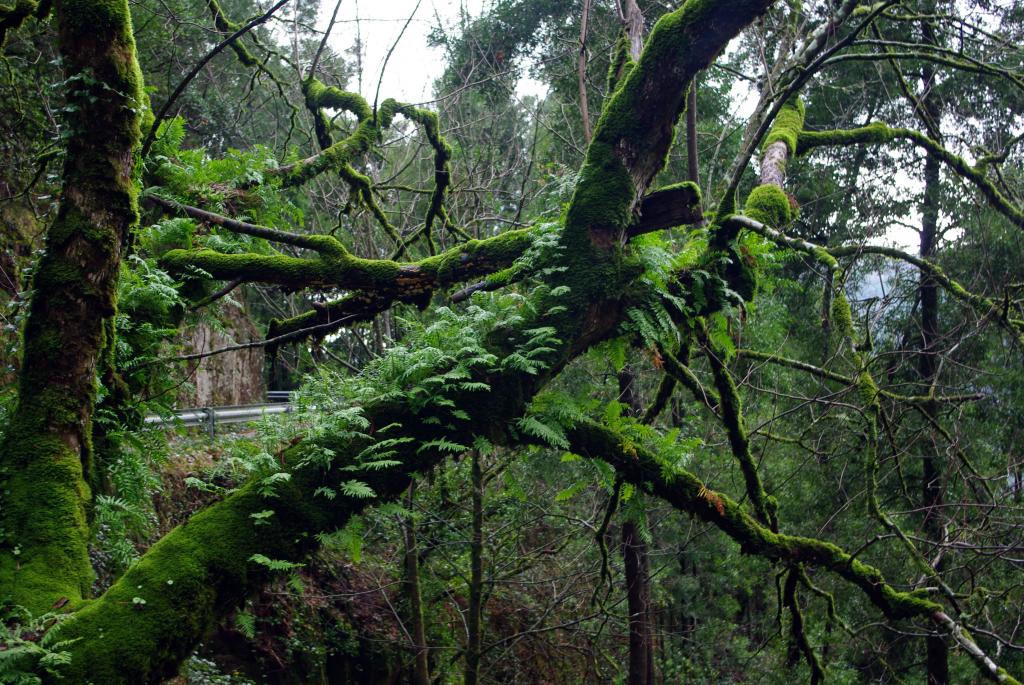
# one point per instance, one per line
(474, 627)
(932, 482)
(692, 153)
(47, 456)
(413, 598)
(633, 24)
(636, 567)
(581, 71)
(634, 554)
(927, 364)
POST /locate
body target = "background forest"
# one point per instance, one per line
(704, 366)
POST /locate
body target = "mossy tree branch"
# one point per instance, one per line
(806, 62)
(371, 126)
(202, 569)
(199, 572)
(985, 307)
(869, 394)
(796, 626)
(331, 316)
(228, 27)
(335, 267)
(849, 381)
(687, 493)
(320, 97)
(327, 245)
(668, 207)
(879, 133)
(923, 52)
(635, 130)
(731, 414)
(684, 375)
(771, 206)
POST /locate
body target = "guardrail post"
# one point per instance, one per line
(211, 421)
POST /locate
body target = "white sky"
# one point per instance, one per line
(413, 65)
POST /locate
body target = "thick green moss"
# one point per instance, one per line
(770, 205)
(1003, 677)
(823, 256)
(336, 267)
(865, 10)
(153, 616)
(876, 132)
(362, 139)
(868, 390)
(842, 316)
(431, 126)
(226, 26)
(101, 16)
(44, 558)
(788, 125)
(169, 599)
(692, 189)
(605, 193)
(620, 63)
(451, 266)
(48, 447)
(320, 96)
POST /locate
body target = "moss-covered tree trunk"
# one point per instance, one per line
(47, 456)
(148, 622)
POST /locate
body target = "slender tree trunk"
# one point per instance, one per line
(634, 553)
(635, 561)
(649, 620)
(474, 638)
(932, 466)
(47, 456)
(417, 630)
(927, 360)
(581, 71)
(633, 23)
(692, 159)
(692, 152)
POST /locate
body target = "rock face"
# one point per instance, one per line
(228, 378)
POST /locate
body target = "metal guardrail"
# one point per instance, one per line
(279, 395)
(211, 417)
